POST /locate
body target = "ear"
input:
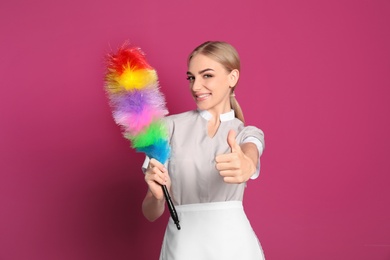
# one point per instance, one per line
(233, 78)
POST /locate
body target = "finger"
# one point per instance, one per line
(228, 173)
(223, 158)
(224, 166)
(160, 180)
(226, 158)
(157, 169)
(233, 180)
(231, 139)
(154, 163)
(156, 176)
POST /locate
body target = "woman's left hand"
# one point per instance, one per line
(237, 166)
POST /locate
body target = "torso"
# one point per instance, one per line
(192, 166)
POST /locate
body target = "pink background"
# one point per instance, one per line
(315, 78)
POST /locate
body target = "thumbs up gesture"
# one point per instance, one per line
(238, 165)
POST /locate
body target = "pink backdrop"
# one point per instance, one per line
(315, 78)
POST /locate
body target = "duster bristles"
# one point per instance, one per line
(137, 103)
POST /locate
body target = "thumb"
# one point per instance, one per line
(231, 139)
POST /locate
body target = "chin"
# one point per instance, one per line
(202, 107)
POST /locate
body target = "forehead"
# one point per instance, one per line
(200, 62)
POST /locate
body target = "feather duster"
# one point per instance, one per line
(138, 106)
(137, 103)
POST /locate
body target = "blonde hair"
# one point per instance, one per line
(227, 56)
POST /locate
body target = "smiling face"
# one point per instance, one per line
(210, 84)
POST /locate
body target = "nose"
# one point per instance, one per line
(196, 85)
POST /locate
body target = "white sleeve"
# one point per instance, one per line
(260, 148)
(145, 164)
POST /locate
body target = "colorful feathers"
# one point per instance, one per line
(137, 103)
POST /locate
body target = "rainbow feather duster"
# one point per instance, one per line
(137, 103)
(139, 106)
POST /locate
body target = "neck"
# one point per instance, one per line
(217, 112)
(212, 126)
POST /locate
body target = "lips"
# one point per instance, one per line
(201, 97)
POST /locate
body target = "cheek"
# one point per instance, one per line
(224, 85)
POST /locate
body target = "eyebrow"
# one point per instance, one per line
(200, 72)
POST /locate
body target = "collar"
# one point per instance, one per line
(223, 117)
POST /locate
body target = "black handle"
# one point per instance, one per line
(171, 207)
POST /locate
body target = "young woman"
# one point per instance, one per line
(213, 156)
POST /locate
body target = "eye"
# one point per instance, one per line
(190, 78)
(206, 76)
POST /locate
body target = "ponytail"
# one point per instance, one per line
(236, 107)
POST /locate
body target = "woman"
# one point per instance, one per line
(213, 156)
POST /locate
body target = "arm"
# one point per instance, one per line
(239, 165)
(250, 152)
(152, 208)
(153, 204)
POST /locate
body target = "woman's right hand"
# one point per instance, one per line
(155, 176)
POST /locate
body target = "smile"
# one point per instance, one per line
(202, 97)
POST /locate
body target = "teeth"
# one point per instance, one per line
(204, 95)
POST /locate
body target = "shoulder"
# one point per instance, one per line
(250, 131)
(182, 119)
(189, 115)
